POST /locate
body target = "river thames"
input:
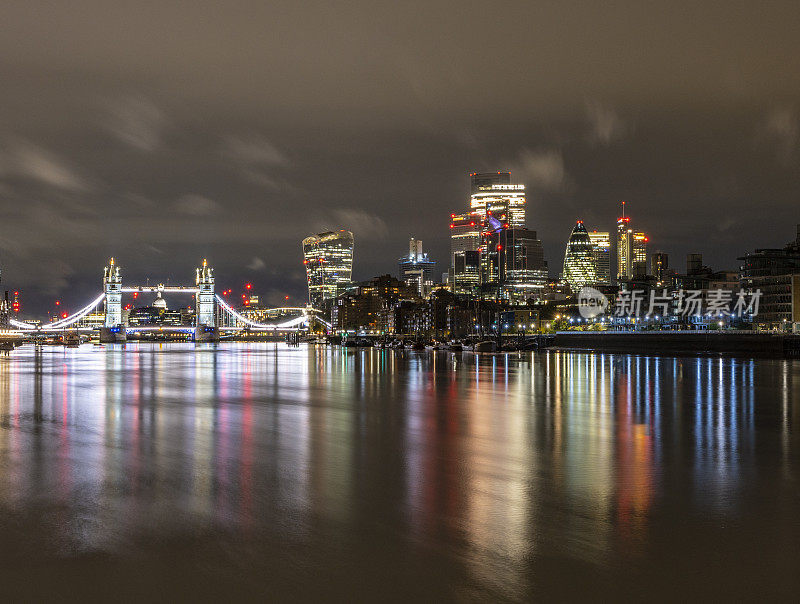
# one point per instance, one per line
(265, 471)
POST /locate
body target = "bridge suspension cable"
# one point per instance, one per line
(62, 323)
(291, 323)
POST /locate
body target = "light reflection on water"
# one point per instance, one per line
(266, 470)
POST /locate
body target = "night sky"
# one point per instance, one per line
(165, 132)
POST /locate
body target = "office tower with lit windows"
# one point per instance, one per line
(490, 248)
(624, 246)
(494, 192)
(579, 259)
(465, 243)
(465, 232)
(521, 267)
(416, 268)
(639, 259)
(494, 224)
(631, 248)
(601, 240)
(328, 258)
(465, 273)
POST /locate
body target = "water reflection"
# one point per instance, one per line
(465, 475)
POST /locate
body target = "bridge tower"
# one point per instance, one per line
(113, 329)
(206, 329)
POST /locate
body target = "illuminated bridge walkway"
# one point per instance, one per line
(213, 315)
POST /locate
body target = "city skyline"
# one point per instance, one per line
(110, 119)
(599, 242)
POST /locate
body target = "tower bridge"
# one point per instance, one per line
(213, 315)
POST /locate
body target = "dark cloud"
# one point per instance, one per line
(136, 121)
(165, 134)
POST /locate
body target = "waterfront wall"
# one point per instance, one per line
(755, 344)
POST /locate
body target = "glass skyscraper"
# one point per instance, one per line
(328, 258)
(631, 248)
(579, 259)
(640, 252)
(465, 243)
(493, 192)
(601, 240)
(490, 248)
(624, 248)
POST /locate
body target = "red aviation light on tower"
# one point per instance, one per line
(248, 286)
(623, 218)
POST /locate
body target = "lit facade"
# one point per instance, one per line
(494, 192)
(490, 249)
(639, 256)
(465, 272)
(601, 240)
(624, 248)
(631, 249)
(205, 299)
(522, 269)
(579, 259)
(417, 268)
(328, 258)
(465, 243)
(465, 232)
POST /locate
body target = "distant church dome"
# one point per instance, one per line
(160, 302)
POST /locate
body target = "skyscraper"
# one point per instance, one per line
(639, 263)
(579, 260)
(521, 268)
(465, 232)
(601, 240)
(694, 263)
(465, 272)
(624, 246)
(328, 258)
(465, 243)
(489, 245)
(631, 248)
(659, 267)
(417, 268)
(490, 191)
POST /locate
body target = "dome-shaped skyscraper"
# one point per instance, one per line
(579, 261)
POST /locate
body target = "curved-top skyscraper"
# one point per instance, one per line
(579, 260)
(328, 258)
